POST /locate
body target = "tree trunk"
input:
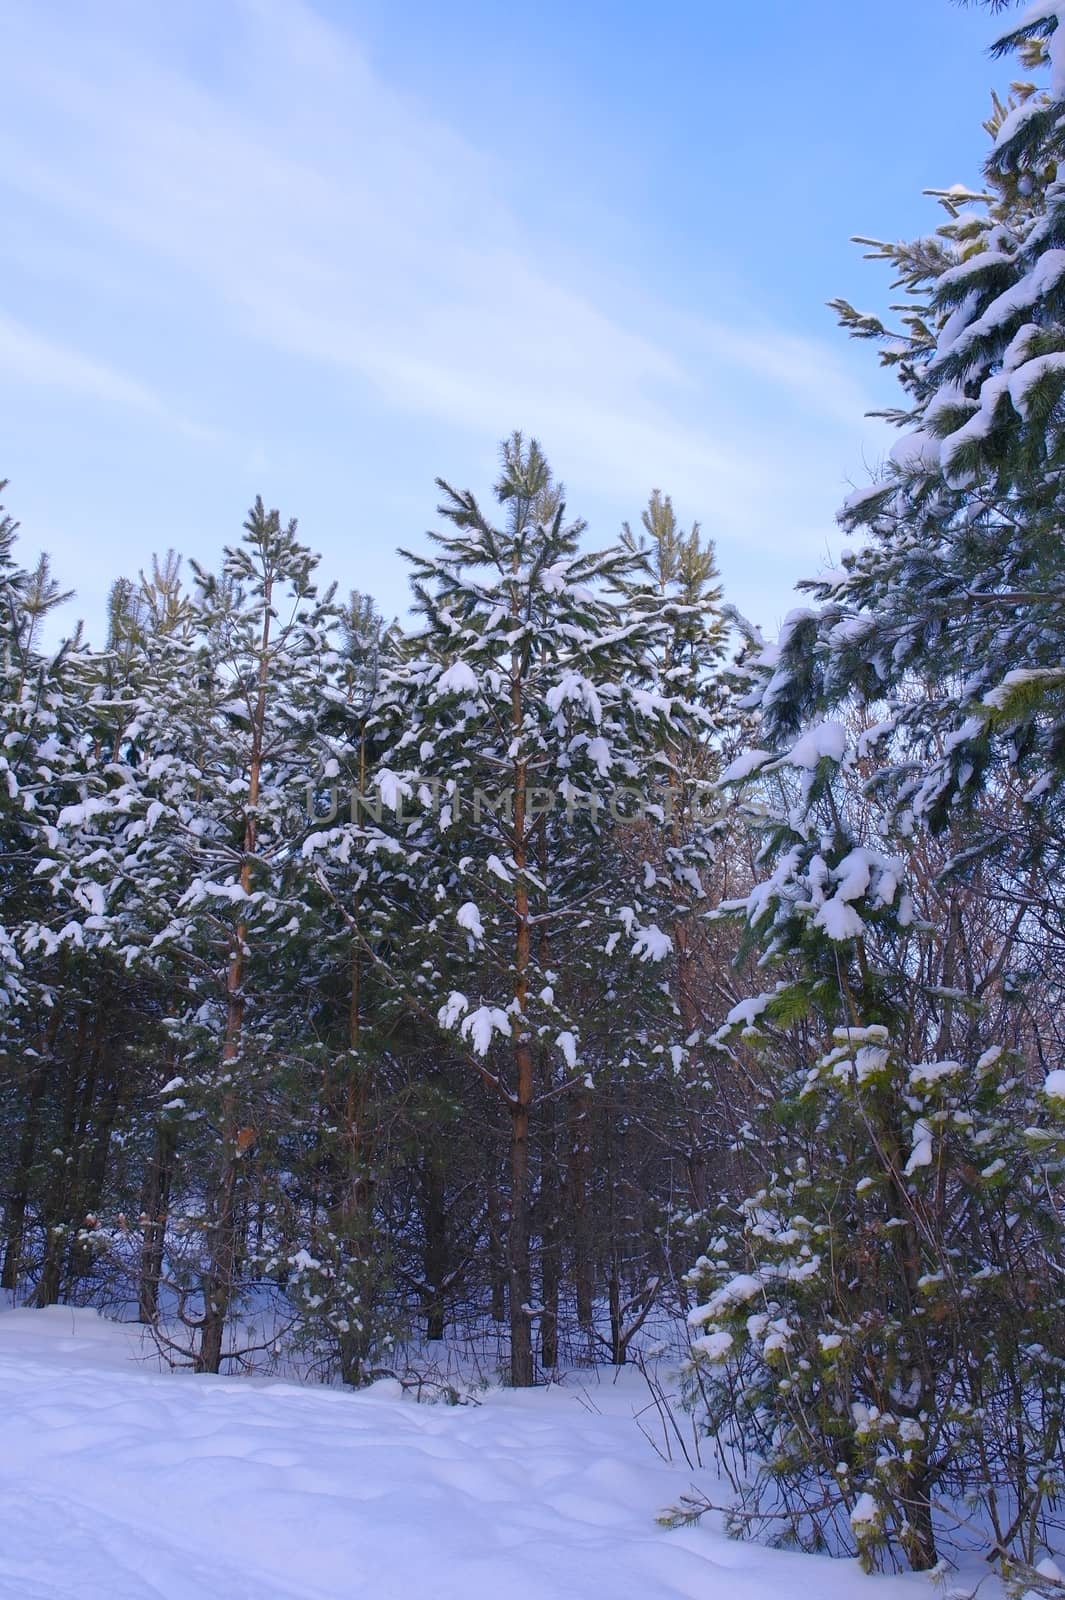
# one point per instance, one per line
(497, 1263)
(550, 1229)
(19, 1196)
(91, 1179)
(223, 1249)
(614, 1297)
(350, 1164)
(583, 1267)
(617, 1343)
(920, 1539)
(522, 1372)
(519, 1270)
(155, 1203)
(435, 1254)
(549, 1318)
(56, 1210)
(220, 1277)
(219, 1280)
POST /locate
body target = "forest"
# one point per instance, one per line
(569, 969)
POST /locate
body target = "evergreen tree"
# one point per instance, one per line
(878, 1339)
(959, 583)
(907, 793)
(675, 585)
(194, 824)
(677, 577)
(521, 731)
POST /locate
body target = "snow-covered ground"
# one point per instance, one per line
(122, 1482)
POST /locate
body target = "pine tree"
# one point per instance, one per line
(877, 1336)
(907, 794)
(194, 820)
(675, 584)
(960, 581)
(38, 754)
(870, 1297)
(677, 577)
(518, 720)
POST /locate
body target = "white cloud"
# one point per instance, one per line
(244, 158)
(31, 359)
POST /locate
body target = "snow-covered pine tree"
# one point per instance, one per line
(960, 580)
(912, 737)
(269, 642)
(338, 1283)
(107, 869)
(39, 934)
(676, 579)
(523, 740)
(36, 741)
(193, 821)
(879, 1338)
(676, 585)
(868, 1337)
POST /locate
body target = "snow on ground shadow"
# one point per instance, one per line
(122, 1482)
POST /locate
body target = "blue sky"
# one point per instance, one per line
(328, 251)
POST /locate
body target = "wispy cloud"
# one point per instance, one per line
(31, 359)
(244, 156)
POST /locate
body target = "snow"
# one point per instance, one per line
(869, 1061)
(953, 328)
(744, 765)
(853, 875)
(713, 1346)
(1016, 352)
(915, 452)
(839, 920)
(745, 1011)
(455, 1006)
(1054, 1085)
(972, 264)
(495, 866)
(480, 1026)
(827, 739)
(469, 917)
(119, 1480)
(77, 816)
(459, 678)
(998, 697)
(977, 427)
(1039, 11)
(737, 1291)
(852, 630)
(1044, 12)
(861, 497)
(651, 944)
(921, 1154)
(598, 752)
(392, 789)
(553, 579)
(648, 704)
(865, 1511)
(1014, 121)
(575, 688)
(1056, 52)
(927, 1073)
(1019, 297)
